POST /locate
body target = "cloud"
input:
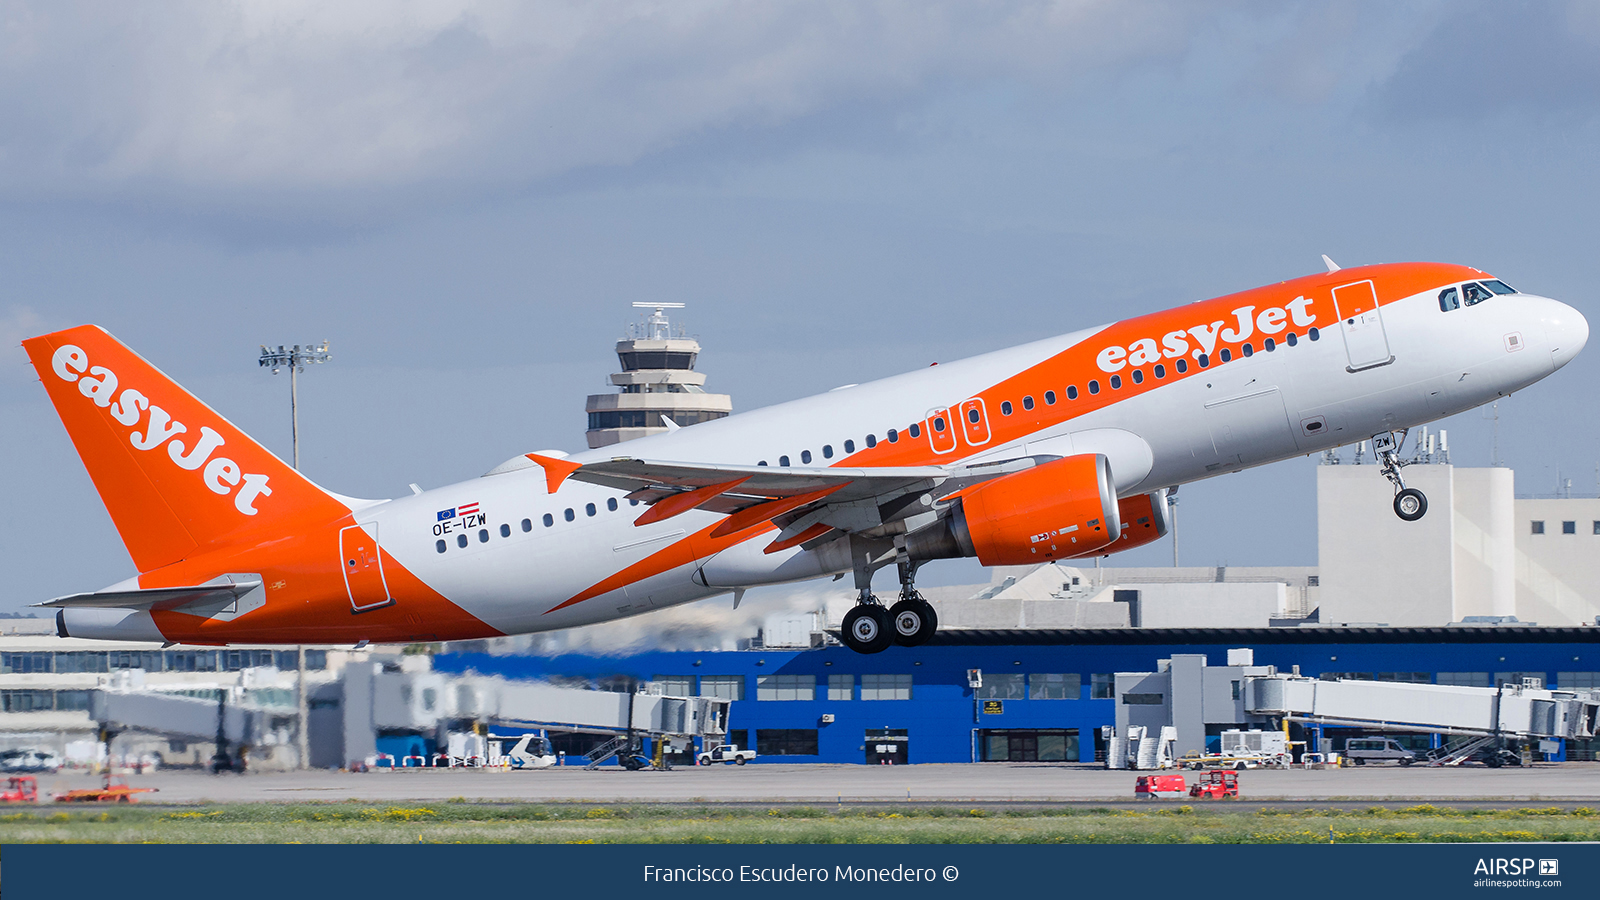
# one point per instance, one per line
(1487, 59)
(293, 99)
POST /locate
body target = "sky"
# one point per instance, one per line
(463, 198)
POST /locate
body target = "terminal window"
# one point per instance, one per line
(1001, 687)
(723, 687)
(25, 663)
(786, 742)
(886, 687)
(1102, 686)
(1464, 679)
(1538, 526)
(675, 685)
(786, 687)
(1405, 677)
(841, 687)
(1569, 527)
(1597, 526)
(1058, 686)
(1571, 680)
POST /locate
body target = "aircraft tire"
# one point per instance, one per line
(867, 629)
(914, 622)
(1410, 504)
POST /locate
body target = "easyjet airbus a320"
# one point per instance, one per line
(1059, 449)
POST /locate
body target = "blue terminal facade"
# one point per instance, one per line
(1045, 693)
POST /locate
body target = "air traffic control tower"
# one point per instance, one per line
(660, 389)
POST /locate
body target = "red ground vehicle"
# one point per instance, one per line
(24, 789)
(114, 791)
(1154, 787)
(1218, 784)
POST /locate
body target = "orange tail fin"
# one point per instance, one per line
(175, 475)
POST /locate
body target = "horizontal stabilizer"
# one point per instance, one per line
(155, 598)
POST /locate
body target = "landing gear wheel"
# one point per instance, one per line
(867, 629)
(1410, 504)
(914, 622)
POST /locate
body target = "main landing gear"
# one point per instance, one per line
(870, 628)
(1410, 504)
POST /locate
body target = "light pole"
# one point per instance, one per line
(296, 358)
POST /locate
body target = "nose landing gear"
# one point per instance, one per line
(1410, 504)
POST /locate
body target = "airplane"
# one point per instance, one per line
(1063, 448)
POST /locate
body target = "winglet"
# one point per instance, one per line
(671, 425)
(1332, 266)
(555, 470)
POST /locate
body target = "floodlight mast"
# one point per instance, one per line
(295, 359)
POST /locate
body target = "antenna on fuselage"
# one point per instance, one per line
(1332, 266)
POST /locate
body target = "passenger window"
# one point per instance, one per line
(1094, 386)
(938, 424)
(1270, 344)
(1499, 287)
(827, 451)
(1290, 337)
(439, 544)
(1314, 334)
(762, 463)
(505, 531)
(1249, 350)
(1072, 392)
(1474, 293)
(569, 515)
(849, 447)
(483, 535)
(1138, 376)
(1182, 366)
(1049, 398)
(1005, 408)
(1227, 355)
(527, 524)
(611, 504)
(549, 520)
(973, 415)
(872, 441)
(1116, 382)
(915, 430)
(1449, 299)
(1161, 371)
(1027, 403)
(894, 436)
(783, 462)
(636, 503)
(588, 508)
(1204, 360)
(805, 456)
(461, 540)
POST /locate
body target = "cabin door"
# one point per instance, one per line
(1361, 321)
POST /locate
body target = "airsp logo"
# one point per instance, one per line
(1499, 866)
(1549, 867)
(219, 473)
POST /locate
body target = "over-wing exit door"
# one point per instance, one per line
(1361, 320)
(363, 568)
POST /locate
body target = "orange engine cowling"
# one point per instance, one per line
(1144, 518)
(1063, 508)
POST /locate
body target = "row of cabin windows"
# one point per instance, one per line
(589, 509)
(1006, 409)
(1566, 527)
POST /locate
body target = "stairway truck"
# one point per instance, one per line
(728, 754)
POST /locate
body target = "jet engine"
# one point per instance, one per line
(1063, 508)
(1144, 518)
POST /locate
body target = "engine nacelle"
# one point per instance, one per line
(1063, 508)
(1145, 518)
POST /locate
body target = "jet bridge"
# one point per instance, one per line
(1511, 710)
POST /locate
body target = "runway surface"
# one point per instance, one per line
(1567, 783)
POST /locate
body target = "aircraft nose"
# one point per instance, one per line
(1568, 331)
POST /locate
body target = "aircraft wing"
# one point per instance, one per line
(154, 598)
(807, 504)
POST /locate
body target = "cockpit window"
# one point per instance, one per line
(1449, 299)
(1475, 293)
(1499, 287)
